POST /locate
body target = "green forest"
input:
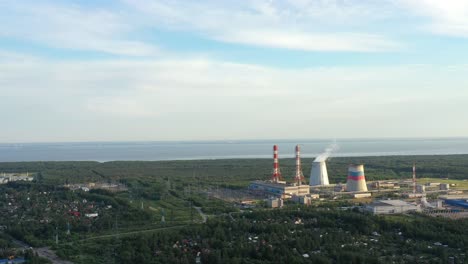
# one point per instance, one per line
(156, 218)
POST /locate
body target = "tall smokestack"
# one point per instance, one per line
(276, 171)
(414, 178)
(299, 176)
(356, 179)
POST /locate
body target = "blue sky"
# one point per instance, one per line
(212, 69)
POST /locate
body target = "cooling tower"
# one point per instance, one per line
(319, 174)
(356, 179)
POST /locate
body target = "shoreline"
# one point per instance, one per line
(304, 157)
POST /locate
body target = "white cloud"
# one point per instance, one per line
(206, 99)
(71, 27)
(311, 42)
(300, 25)
(446, 17)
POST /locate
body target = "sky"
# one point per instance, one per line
(126, 70)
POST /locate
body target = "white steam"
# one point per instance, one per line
(327, 152)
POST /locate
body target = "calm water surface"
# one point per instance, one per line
(108, 151)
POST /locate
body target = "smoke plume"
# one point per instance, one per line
(327, 152)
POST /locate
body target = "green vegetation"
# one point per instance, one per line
(129, 227)
(234, 173)
(326, 235)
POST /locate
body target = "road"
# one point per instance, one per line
(44, 252)
(132, 232)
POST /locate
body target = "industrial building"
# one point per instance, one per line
(356, 179)
(282, 190)
(275, 202)
(319, 174)
(457, 203)
(456, 200)
(391, 207)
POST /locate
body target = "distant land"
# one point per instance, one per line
(191, 150)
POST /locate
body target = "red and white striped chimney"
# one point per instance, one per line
(414, 178)
(276, 171)
(299, 176)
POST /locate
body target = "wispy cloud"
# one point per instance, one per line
(446, 17)
(299, 25)
(71, 27)
(311, 42)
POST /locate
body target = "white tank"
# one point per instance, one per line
(319, 174)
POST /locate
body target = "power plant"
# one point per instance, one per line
(356, 179)
(275, 190)
(319, 174)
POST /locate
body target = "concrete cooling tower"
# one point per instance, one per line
(319, 174)
(356, 179)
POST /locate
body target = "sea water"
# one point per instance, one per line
(183, 150)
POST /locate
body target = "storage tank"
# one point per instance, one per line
(319, 174)
(356, 179)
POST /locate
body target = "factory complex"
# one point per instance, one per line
(13, 177)
(277, 189)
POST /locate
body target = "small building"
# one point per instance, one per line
(92, 215)
(384, 185)
(432, 184)
(420, 188)
(444, 187)
(339, 188)
(453, 192)
(413, 195)
(275, 202)
(361, 195)
(392, 207)
(307, 199)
